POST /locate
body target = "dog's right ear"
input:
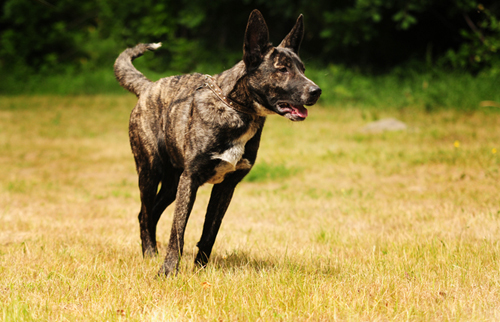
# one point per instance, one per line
(256, 40)
(294, 38)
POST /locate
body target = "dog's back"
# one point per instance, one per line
(163, 111)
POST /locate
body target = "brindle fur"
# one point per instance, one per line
(182, 135)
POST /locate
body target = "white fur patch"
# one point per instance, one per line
(232, 157)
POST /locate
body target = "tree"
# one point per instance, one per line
(52, 36)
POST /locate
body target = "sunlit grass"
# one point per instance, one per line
(335, 223)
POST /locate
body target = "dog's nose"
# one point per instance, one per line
(315, 92)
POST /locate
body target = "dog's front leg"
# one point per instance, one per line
(219, 201)
(186, 195)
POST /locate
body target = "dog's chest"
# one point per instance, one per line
(232, 158)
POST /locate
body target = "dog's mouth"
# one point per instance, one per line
(292, 112)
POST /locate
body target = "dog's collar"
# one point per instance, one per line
(210, 83)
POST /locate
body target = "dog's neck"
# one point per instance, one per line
(233, 83)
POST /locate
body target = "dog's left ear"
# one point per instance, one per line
(294, 38)
(256, 40)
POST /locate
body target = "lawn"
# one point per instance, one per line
(333, 223)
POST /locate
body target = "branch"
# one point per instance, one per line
(473, 27)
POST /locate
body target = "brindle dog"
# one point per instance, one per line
(194, 129)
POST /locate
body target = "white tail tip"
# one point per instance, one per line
(155, 46)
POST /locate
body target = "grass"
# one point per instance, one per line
(432, 89)
(336, 224)
(428, 89)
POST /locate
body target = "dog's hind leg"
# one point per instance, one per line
(153, 203)
(186, 195)
(163, 199)
(148, 185)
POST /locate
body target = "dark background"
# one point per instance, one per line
(371, 36)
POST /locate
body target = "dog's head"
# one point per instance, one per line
(276, 74)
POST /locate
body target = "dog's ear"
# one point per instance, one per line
(294, 37)
(256, 40)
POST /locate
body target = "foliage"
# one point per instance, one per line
(70, 36)
(387, 33)
(482, 43)
(89, 34)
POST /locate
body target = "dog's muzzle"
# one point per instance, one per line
(314, 94)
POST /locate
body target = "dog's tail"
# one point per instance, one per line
(129, 77)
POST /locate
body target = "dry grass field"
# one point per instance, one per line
(332, 223)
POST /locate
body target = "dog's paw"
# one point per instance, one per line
(167, 271)
(170, 266)
(149, 249)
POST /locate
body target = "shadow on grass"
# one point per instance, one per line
(241, 260)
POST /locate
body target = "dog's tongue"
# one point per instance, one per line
(300, 111)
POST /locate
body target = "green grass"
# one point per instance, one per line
(332, 224)
(433, 89)
(270, 172)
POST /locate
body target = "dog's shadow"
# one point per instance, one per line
(239, 260)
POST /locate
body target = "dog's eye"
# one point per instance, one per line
(283, 69)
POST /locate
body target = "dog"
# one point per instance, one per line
(193, 129)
